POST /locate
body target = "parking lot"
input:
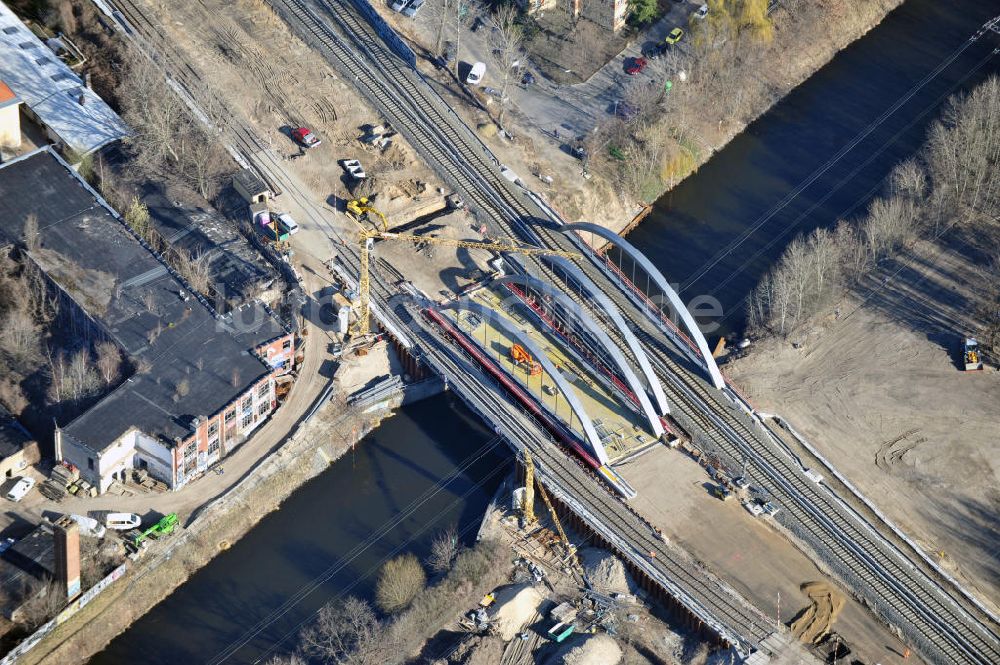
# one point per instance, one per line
(562, 111)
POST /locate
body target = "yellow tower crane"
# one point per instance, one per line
(361, 208)
(528, 510)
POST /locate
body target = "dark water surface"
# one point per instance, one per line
(687, 237)
(391, 472)
(720, 230)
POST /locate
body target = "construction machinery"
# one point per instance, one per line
(529, 509)
(522, 358)
(164, 527)
(971, 355)
(361, 210)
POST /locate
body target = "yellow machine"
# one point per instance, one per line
(361, 209)
(529, 510)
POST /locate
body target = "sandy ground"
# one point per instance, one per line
(879, 392)
(748, 553)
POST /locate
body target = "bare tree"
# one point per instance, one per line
(43, 600)
(399, 581)
(345, 632)
(444, 548)
(31, 232)
(196, 268)
(151, 110)
(506, 42)
(109, 361)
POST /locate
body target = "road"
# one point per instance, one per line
(934, 616)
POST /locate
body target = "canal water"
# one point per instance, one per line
(797, 168)
(818, 156)
(431, 465)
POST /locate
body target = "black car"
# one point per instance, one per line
(654, 50)
(478, 23)
(528, 78)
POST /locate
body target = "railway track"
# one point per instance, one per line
(729, 615)
(899, 591)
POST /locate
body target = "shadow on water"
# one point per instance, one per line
(720, 230)
(393, 471)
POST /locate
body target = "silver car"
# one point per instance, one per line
(412, 9)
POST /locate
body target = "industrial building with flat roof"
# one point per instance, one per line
(204, 381)
(74, 117)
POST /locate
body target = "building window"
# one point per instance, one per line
(263, 391)
(286, 345)
(10, 30)
(263, 408)
(247, 420)
(213, 430)
(247, 405)
(213, 448)
(90, 463)
(190, 451)
(230, 417)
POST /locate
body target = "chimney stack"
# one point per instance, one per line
(67, 547)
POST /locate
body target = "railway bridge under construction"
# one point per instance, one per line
(604, 323)
(874, 559)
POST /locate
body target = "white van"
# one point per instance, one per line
(289, 223)
(476, 74)
(122, 521)
(20, 488)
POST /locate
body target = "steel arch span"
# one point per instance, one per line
(609, 308)
(588, 323)
(661, 282)
(565, 388)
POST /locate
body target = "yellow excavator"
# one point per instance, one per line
(528, 511)
(361, 210)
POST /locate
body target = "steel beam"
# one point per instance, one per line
(587, 322)
(498, 321)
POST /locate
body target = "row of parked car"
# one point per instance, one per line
(407, 7)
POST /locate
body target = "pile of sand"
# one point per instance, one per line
(815, 621)
(605, 571)
(597, 649)
(515, 606)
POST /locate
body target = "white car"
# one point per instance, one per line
(753, 508)
(354, 168)
(289, 223)
(20, 488)
(398, 5)
(702, 12)
(122, 521)
(476, 74)
(89, 526)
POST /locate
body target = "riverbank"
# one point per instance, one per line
(212, 529)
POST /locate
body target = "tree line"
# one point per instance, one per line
(953, 179)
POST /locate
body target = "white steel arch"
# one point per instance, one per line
(661, 282)
(588, 323)
(565, 388)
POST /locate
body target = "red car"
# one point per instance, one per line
(635, 66)
(305, 137)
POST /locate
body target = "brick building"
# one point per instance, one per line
(201, 381)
